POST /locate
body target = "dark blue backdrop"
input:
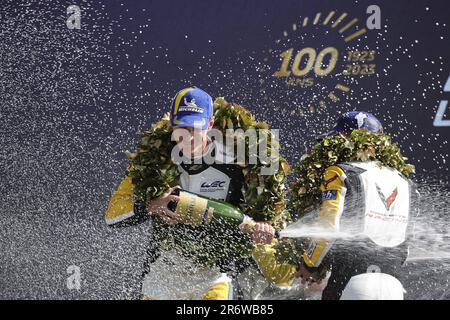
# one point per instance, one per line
(224, 47)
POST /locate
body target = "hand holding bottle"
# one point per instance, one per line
(263, 233)
(160, 207)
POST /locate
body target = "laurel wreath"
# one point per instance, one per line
(153, 173)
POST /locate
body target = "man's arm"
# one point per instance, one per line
(281, 274)
(122, 211)
(333, 197)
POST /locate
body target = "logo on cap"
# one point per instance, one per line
(191, 103)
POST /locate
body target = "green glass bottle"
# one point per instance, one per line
(198, 210)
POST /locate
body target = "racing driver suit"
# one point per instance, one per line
(366, 208)
(168, 274)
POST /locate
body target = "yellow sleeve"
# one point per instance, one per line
(281, 274)
(333, 196)
(121, 205)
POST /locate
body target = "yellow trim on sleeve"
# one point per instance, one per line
(219, 291)
(121, 205)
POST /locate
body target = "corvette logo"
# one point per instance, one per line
(390, 200)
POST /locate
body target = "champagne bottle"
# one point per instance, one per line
(198, 210)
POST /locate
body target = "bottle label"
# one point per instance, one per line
(193, 210)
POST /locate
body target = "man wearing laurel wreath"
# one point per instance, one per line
(170, 274)
(363, 225)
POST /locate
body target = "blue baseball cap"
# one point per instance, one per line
(355, 120)
(191, 107)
